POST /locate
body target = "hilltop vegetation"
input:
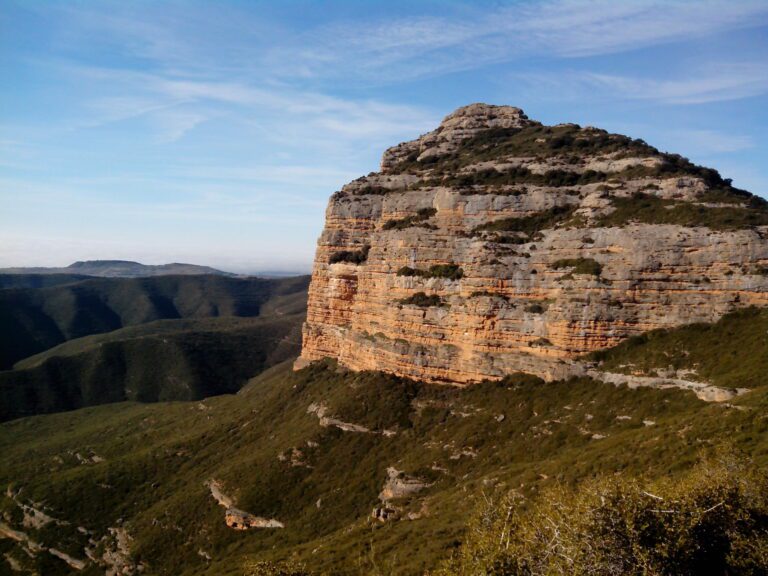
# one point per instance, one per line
(34, 320)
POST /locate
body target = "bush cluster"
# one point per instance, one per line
(421, 299)
(579, 265)
(266, 568)
(528, 225)
(350, 256)
(417, 219)
(713, 521)
(654, 210)
(449, 271)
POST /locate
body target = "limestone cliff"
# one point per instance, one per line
(496, 244)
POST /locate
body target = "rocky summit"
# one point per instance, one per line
(495, 244)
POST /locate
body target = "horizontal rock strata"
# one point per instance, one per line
(495, 244)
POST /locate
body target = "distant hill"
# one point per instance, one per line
(119, 269)
(14, 280)
(158, 361)
(35, 319)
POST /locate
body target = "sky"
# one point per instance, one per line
(215, 132)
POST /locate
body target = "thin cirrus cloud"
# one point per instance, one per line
(719, 83)
(715, 83)
(710, 142)
(178, 104)
(390, 49)
(398, 49)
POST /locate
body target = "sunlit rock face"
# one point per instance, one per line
(495, 244)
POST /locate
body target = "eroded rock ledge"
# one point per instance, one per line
(495, 244)
(234, 517)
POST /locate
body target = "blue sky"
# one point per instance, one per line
(214, 132)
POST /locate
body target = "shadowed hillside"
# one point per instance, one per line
(33, 320)
(163, 360)
(39, 280)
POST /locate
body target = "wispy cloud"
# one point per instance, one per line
(709, 142)
(717, 82)
(390, 49)
(131, 94)
(396, 49)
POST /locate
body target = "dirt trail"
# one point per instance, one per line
(704, 391)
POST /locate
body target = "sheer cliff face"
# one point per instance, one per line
(495, 244)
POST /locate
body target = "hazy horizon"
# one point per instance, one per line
(214, 134)
(244, 270)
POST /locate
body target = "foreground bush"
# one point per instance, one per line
(713, 521)
(264, 568)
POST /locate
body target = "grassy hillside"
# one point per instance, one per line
(143, 467)
(163, 360)
(33, 320)
(731, 353)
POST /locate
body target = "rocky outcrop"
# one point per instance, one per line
(234, 517)
(397, 486)
(464, 123)
(495, 244)
(321, 411)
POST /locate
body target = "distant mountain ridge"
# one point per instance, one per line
(147, 339)
(35, 319)
(120, 269)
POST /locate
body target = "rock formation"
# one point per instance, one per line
(495, 244)
(236, 518)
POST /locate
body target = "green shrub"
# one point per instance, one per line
(264, 568)
(579, 265)
(517, 175)
(449, 271)
(421, 299)
(528, 225)
(713, 520)
(478, 293)
(537, 140)
(416, 220)
(648, 209)
(350, 256)
(373, 190)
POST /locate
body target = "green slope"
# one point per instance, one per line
(143, 467)
(163, 360)
(731, 353)
(33, 320)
